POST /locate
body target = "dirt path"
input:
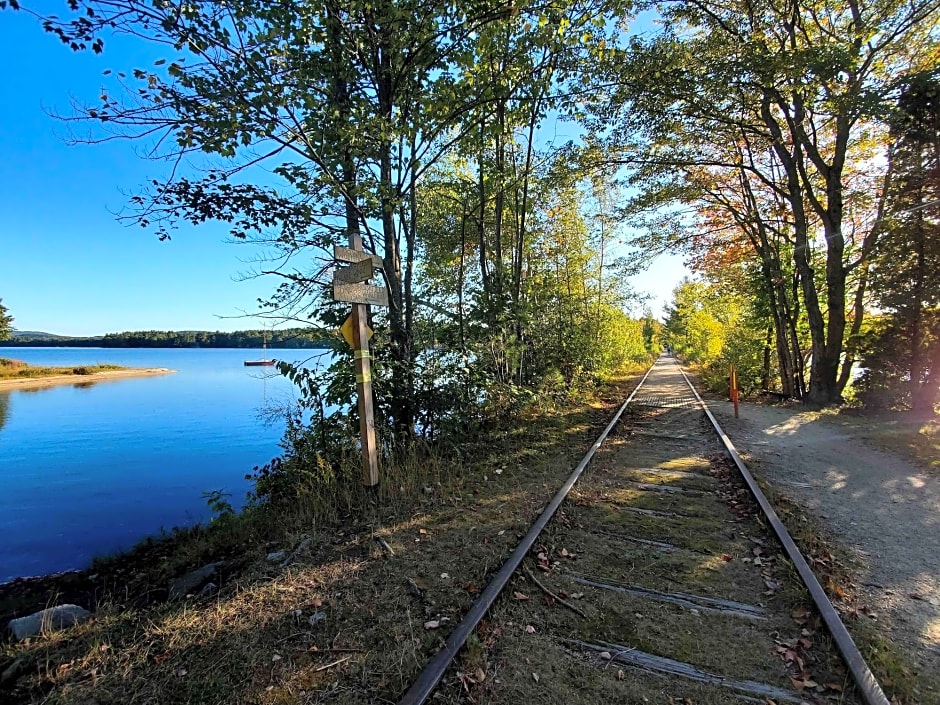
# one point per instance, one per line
(884, 508)
(40, 382)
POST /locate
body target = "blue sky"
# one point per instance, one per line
(68, 266)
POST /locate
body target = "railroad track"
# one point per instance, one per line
(661, 571)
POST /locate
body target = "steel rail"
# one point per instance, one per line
(865, 680)
(431, 675)
(428, 679)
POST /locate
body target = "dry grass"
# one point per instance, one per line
(526, 644)
(449, 524)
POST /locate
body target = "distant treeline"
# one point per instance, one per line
(285, 338)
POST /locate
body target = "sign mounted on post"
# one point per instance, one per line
(366, 294)
(349, 285)
(345, 254)
(353, 273)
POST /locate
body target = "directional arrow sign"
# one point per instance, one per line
(353, 273)
(346, 254)
(360, 294)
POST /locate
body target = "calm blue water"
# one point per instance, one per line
(86, 471)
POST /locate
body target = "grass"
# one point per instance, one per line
(917, 439)
(17, 369)
(528, 654)
(449, 521)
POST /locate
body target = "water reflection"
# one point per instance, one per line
(76, 458)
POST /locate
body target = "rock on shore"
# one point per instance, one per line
(57, 617)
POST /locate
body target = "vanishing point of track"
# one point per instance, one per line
(667, 395)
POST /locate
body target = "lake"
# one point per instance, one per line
(92, 469)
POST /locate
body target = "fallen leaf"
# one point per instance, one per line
(535, 677)
(577, 595)
(276, 657)
(725, 557)
(520, 596)
(422, 531)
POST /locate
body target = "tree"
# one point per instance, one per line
(716, 326)
(787, 97)
(903, 356)
(6, 322)
(324, 118)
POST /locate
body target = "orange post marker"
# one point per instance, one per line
(733, 384)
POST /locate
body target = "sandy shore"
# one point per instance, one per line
(108, 376)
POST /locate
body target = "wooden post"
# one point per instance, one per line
(363, 365)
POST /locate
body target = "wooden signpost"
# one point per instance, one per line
(349, 285)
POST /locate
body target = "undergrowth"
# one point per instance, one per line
(17, 369)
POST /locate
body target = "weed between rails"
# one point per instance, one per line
(350, 620)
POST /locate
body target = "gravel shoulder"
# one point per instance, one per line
(881, 507)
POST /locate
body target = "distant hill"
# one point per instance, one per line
(39, 335)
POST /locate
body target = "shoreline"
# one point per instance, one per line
(94, 378)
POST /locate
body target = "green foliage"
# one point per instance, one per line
(699, 320)
(291, 338)
(17, 369)
(6, 322)
(901, 353)
(752, 134)
(715, 327)
(217, 501)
